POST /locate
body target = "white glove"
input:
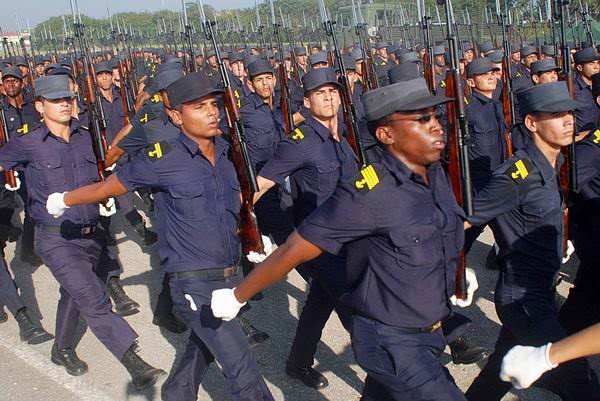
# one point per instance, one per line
(224, 304)
(18, 183)
(472, 286)
(191, 301)
(269, 247)
(524, 365)
(111, 167)
(108, 209)
(55, 205)
(570, 250)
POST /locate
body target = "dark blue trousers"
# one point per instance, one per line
(211, 336)
(533, 323)
(401, 366)
(73, 264)
(9, 296)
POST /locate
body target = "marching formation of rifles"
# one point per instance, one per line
(370, 169)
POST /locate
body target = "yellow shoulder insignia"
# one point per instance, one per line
(144, 119)
(368, 178)
(237, 96)
(157, 150)
(156, 98)
(466, 100)
(519, 171)
(442, 84)
(24, 129)
(297, 135)
(517, 74)
(596, 135)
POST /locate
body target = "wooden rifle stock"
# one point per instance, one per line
(507, 106)
(9, 175)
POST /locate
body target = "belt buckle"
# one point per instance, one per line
(86, 230)
(435, 326)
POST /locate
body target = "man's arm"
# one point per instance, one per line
(264, 184)
(95, 193)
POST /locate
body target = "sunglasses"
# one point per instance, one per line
(422, 119)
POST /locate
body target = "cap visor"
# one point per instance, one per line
(215, 91)
(58, 95)
(558, 106)
(335, 83)
(424, 103)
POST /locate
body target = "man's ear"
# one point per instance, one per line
(471, 82)
(39, 106)
(530, 123)
(384, 135)
(535, 78)
(598, 100)
(307, 103)
(251, 85)
(176, 117)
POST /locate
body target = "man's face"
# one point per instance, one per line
(302, 59)
(416, 138)
(104, 80)
(382, 52)
(263, 85)
(530, 59)
(319, 66)
(57, 111)
(12, 86)
(24, 70)
(589, 69)
(237, 69)
(116, 77)
(545, 77)
(440, 60)
(484, 82)
(554, 129)
(39, 69)
(199, 118)
(323, 102)
(516, 57)
(469, 55)
(212, 61)
(498, 70)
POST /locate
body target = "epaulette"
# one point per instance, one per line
(442, 84)
(236, 94)
(156, 98)
(297, 135)
(367, 179)
(519, 170)
(157, 150)
(24, 129)
(596, 137)
(147, 115)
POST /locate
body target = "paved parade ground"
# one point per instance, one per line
(26, 373)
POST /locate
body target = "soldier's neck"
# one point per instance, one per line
(331, 124)
(107, 93)
(16, 101)
(550, 151)
(60, 129)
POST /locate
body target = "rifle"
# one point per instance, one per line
(97, 120)
(369, 77)
(585, 18)
(348, 108)
(428, 69)
(508, 100)
(9, 176)
(284, 93)
(187, 33)
(249, 233)
(458, 138)
(568, 172)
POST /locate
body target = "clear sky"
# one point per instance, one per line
(12, 11)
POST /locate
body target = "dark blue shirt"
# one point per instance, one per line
(314, 161)
(488, 146)
(413, 234)
(149, 125)
(113, 114)
(53, 165)
(588, 112)
(522, 203)
(20, 121)
(263, 128)
(201, 202)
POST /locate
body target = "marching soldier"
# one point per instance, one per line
(587, 63)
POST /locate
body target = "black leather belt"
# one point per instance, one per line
(429, 329)
(70, 231)
(207, 274)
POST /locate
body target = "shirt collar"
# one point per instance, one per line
(581, 83)
(400, 171)
(483, 99)
(319, 128)
(540, 161)
(74, 129)
(221, 145)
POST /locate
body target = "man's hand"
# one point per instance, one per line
(17, 183)
(108, 208)
(269, 247)
(472, 286)
(55, 205)
(524, 365)
(570, 250)
(224, 304)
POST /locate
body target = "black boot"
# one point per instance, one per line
(491, 260)
(29, 330)
(169, 322)
(142, 374)
(9, 233)
(124, 305)
(307, 375)
(3, 315)
(464, 353)
(254, 335)
(69, 360)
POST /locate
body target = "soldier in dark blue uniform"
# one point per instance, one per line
(544, 71)
(202, 249)
(587, 63)
(523, 205)
(56, 157)
(582, 307)
(400, 292)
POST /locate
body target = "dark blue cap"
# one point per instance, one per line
(235, 57)
(552, 97)
(403, 72)
(318, 58)
(20, 60)
(62, 71)
(53, 87)
(495, 56)
(168, 66)
(191, 87)
(357, 54)
(299, 51)
(586, 55)
(545, 65)
(259, 66)
(409, 95)
(549, 50)
(12, 72)
(316, 78)
(439, 50)
(527, 50)
(165, 78)
(486, 47)
(380, 45)
(409, 57)
(479, 66)
(103, 67)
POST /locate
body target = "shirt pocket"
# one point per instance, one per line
(328, 175)
(190, 201)
(89, 166)
(50, 173)
(417, 246)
